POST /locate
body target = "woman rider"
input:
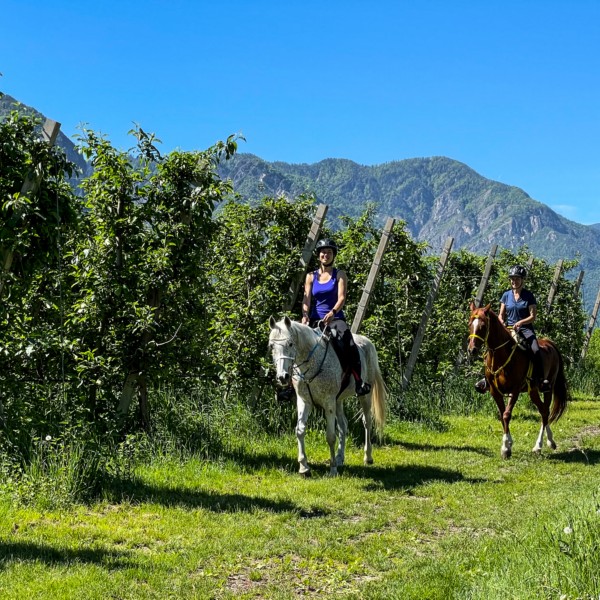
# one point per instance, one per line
(324, 298)
(518, 309)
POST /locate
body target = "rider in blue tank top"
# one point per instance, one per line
(324, 298)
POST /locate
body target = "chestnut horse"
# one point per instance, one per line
(508, 373)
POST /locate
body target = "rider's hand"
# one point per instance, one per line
(328, 317)
(305, 320)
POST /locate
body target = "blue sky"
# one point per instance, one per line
(511, 88)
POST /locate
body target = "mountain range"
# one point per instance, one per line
(436, 197)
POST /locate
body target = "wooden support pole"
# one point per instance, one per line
(590, 327)
(366, 295)
(578, 285)
(29, 188)
(412, 359)
(309, 248)
(554, 285)
(486, 275)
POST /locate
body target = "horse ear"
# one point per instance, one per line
(271, 322)
(472, 306)
(287, 321)
(487, 307)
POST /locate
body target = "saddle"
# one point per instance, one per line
(341, 349)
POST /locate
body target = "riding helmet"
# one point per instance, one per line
(326, 243)
(517, 271)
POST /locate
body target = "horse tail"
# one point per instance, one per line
(378, 391)
(561, 394)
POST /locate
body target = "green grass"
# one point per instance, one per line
(439, 515)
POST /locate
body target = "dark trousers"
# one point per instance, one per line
(536, 356)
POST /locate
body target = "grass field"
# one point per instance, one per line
(439, 515)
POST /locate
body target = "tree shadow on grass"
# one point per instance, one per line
(403, 477)
(137, 491)
(27, 551)
(577, 455)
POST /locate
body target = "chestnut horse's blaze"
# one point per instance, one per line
(507, 370)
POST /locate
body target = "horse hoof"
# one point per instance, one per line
(306, 474)
(552, 445)
(536, 450)
(506, 454)
(368, 461)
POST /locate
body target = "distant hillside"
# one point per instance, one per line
(437, 197)
(8, 104)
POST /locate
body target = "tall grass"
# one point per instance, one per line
(554, 559)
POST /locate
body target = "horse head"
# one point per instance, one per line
(479, 328)
(283, 349)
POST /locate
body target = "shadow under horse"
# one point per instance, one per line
(508, 372)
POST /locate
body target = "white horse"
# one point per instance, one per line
(306, 357)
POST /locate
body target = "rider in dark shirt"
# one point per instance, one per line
(518, 309)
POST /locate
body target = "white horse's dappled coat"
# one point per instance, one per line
(306, 357)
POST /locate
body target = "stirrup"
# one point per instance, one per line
(362, 388)
(544, 386)
(482, 386)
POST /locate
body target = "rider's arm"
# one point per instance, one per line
(306, 299)
(529, 319)
(502, 313)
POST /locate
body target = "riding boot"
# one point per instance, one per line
(482, 386)
(361, 387)
(537, 376)
(285, 394)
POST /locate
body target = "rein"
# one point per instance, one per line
(297, 369)
(491, 350)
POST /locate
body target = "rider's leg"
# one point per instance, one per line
(362, 387)
(538, 376)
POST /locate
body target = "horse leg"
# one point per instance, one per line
(342, 427)
(304, 410)
(506, 447)
(544, 411)
(547, 402)
(507, 440)
(330, 435)
(365, 402)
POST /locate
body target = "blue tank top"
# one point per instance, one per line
(325, 295)
(518, 309)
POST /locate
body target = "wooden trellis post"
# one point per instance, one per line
(486, 275)
(30, 187)
(590, 328)
(554, 285)
(578, 285)
(412, 359)
(309, 247)
(364, 301)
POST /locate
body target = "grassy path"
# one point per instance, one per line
(439, 515)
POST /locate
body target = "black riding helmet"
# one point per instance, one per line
(326, 243)
(517, 271)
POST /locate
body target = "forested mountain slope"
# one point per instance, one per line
(437, 197)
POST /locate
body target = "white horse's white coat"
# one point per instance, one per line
(305, 356)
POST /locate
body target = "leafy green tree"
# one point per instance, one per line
(252, 260)
(137, 268)
(34, 227)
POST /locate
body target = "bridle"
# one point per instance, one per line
(296, 367)
(491, 350)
